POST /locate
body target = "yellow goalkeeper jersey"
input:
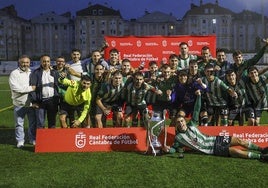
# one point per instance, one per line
(75, 96)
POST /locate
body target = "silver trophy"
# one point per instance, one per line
(155, 126)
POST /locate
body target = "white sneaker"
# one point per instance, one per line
(33, 142)
(20, 144)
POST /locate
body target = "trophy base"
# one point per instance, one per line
(156, 151)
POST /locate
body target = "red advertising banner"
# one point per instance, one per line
(156, 48)
(128, 139)
(95, 139)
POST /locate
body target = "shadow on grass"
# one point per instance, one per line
(29, 148)
(7, 137)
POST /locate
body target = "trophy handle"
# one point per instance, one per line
(148, 132)
(150, 143)
(165, 127)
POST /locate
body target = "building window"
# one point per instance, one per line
(56, 27)
(113, 22)
(82, 22)
(65, 27)
(203, 21)
(212, 10)
(193, 22)
(206, 11)
(100, 12)
(94, 12)
(82, 32)
(92, 22)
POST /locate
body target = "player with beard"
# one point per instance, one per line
(134, 93)
(205, 59)
(222, 65)
(76, 98)
(185, 57)
(108, 100)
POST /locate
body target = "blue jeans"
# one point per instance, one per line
(19, 115)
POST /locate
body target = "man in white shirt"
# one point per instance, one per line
(76, 64)
(20, 87)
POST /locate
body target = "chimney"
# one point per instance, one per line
(146, 12)
(217, 2)
(201, 2)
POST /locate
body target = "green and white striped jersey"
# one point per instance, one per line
(217, 92)
(192, 137)
(196, 140)
(184, 63)
(136, 96)
(108, 93)
(240, 101)
(258, 92)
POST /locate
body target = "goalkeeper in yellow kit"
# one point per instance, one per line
(77, 98)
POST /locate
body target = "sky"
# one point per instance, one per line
(129, 8)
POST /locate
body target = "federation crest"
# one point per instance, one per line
(190, 43)
(113, 43)
(80, 140)
(164, 43)
(138, 43)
